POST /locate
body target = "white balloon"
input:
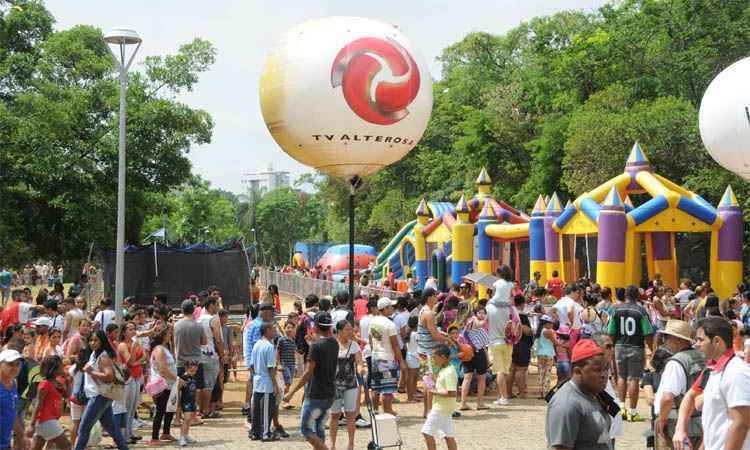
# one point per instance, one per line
(345, 95)
(724, 118)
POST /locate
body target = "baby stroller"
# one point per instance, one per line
(383, 427)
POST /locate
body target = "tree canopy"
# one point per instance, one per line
(59, 100)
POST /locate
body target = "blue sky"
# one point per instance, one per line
(243, 31)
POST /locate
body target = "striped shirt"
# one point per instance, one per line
(287, 349)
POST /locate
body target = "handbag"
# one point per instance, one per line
(477, 337)
(116, 389)
(156, 386)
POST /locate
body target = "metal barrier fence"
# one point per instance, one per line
(300, 286)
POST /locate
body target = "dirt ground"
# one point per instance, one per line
(519, 426)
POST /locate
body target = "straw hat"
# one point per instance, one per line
(679, 329)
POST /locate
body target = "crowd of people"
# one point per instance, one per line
(595, 352)
(63, 354)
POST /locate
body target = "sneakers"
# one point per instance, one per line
(501, 402)
(362, 423)
(635, 418)
(281, 433)
(190, 440)
(183, 441)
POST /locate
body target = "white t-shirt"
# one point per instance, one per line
(411, 346)
(724, 390)
(105, 317)
(381, 330)
(352, 348)
(683, 295)
(205, 320)
(58, 322)
(364, 332)
(562, 307)
(24, 312)
(400, 320)
(502, 289)
(673, 380)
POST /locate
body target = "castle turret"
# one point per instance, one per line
(462, 242)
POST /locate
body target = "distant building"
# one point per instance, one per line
(262, 182)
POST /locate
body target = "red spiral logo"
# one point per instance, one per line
(360, 62)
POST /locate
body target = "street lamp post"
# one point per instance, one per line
(119, 38)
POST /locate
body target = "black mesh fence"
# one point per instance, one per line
(181, 271)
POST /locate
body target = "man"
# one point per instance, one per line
(401, 321)
(74, 315)
(631, 331)
(57, 320)
(189, 339)
(568, 308)
(726, 397)
(576, 418)
(342, 311)
(321, 374)
(227, 337)
(17, 311)
(106, 315)
(213, 354)
(5, 279)
(680, 372)
(306, 325)
(499, 312)
(266, 390)
(386, 355)
(41, 326)
(534, 283)
(251, 336)
(555, 285)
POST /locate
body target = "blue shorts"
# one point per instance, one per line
(288, 374)
(314, 417)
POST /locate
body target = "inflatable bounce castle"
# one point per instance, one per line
(601, 227)
(447, 242)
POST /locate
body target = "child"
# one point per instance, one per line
(45, 424)
(545, 352)
(412, 360)
(439, 420)
(188, 388)
(287, 350)
(562, 352)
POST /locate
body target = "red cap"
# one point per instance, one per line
(585, 349)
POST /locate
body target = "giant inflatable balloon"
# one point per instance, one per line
(724, 118)
(345, 95)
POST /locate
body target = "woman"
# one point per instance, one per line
(98, 376)
(53, 347)
(77, 353)
(347, 393)
(428, 338)
(130, 354)
(475, 331)
(163, 377)
(274, 291)
(591, 321)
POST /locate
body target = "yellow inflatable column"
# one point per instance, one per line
(420, 245)
(462, 256)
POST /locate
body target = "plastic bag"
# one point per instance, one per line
(173, 397)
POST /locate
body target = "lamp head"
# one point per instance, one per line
(122, 36)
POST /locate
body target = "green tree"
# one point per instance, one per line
(281, 223)
(195, 213)
(58, 133)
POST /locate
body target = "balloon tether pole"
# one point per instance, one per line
(354, 183)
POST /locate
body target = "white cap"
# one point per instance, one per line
(42, 322)
(9, 356)
(385, 302)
